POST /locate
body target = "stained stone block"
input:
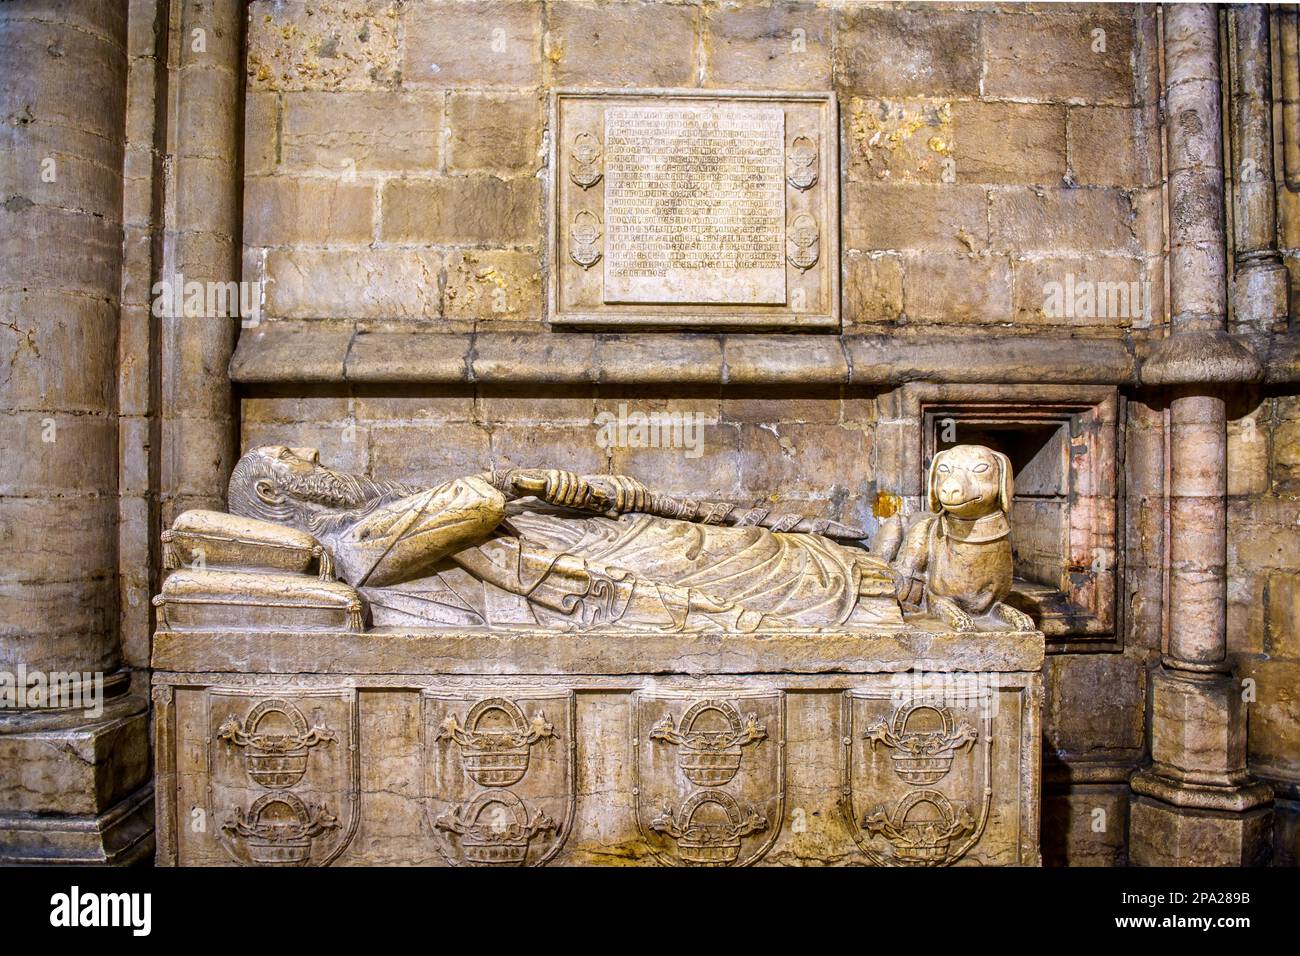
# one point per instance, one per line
(1200, 731)
(346, 133)
(1086, 825)
(1161, 835)
(82, 791)
(464, 209)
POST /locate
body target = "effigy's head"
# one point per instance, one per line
(289, 485)
(970, 481)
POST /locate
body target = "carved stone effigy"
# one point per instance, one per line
(533, 666)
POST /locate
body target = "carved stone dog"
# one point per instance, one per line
(956, 564)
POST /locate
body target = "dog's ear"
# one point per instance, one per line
(932, 489)
(1006, 486)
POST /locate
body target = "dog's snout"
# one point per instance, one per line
(951, 490)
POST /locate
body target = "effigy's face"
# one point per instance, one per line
(292, 464)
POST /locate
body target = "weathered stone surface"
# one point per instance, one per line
(487, 285)
(360, 284)
(459, 43)
(461, 209)
(1083, 56)
(628, 44)
(873, 289)
(909, 52)
(494, 132)
(280, 210)
(345, 133)
(1093, 220)
(783, 46)
(1008, 143)
(957, 288)
(335, 45)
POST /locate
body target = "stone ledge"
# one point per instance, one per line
(329, 352)
(326, 352)
(534, 652)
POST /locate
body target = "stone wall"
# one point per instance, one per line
(1264, 593)
(986, 152)
(394, 211)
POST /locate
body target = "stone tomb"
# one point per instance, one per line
(694, 208)
(900, 746)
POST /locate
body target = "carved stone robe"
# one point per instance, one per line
(524, 565)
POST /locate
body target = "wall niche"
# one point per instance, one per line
(1066, 449)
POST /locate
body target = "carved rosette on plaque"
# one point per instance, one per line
(706, 207)
(284, 773)
(917, 774)
(710, 775)
(499, 775)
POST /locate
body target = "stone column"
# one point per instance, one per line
(74, 763)
(1260, 278)
(1196, 804)
(201, 244)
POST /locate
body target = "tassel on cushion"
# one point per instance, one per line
(326, 561)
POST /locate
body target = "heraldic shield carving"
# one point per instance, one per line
(710, 774)
(499, 775)
(916, 770)
(284, 774)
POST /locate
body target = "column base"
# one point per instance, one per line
(75, 789)
(1161, 834)
(121, 836)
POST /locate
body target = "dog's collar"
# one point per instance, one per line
(992, 527)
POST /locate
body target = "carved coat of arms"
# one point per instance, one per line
(916, 769)
(585, 166)
(584, 239)
(803, 242)
(710, 775)
(499, 775)
(283, 774)
(801, 163)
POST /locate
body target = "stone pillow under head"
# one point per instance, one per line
(262, 600)
(224, 540)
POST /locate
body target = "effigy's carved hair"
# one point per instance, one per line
(322, 486)
(241, 492)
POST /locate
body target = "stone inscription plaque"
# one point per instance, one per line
(695, 204)
(699, 208)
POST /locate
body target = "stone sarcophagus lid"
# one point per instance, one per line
(538, 667)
